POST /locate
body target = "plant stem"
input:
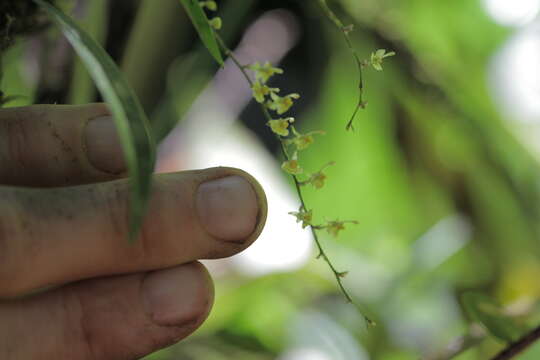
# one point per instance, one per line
(345, 31)
(519, 346)
(322, 253)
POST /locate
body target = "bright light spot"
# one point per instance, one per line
(283, 245)
(515, 84)
(442, 241)
(418, 326)
(210, 138)
(515, 76)
(305, 354)
(316, 336)
(512, 13)
(368, 288)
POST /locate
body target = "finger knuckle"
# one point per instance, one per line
(4, 257)
(12, 252)
(17, 141)
(77, 318)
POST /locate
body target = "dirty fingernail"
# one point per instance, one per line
(179, 296)
(228, 208)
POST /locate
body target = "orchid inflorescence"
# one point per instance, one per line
(291, 140)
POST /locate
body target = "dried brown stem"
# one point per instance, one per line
(519, 346)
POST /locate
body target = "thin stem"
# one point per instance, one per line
(322, 254)
(519, 346)
(345, 31)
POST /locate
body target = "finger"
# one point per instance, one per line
(122, 317)
(55, 236)
(54, 145)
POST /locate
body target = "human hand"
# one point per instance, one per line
(116, 300)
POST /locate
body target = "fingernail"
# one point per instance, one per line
(228, 208)
(180, 296)
(103, 145)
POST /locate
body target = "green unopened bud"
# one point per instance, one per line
(347, 29)
(215, 23)
(210, 5)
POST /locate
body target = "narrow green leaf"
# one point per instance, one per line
(130, 119)
(200, 22)
(489, 313)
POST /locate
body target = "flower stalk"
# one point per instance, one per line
(375, 60)
(269, 100)
(291, 166)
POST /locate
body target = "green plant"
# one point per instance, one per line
(456, 104)
(270, 102)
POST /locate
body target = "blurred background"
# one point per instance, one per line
(441, 171)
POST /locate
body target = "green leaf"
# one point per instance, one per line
(200, 22)
(130, 119)
(489, 313)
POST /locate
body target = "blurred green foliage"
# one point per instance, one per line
(445, 191)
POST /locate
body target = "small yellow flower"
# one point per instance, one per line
(282, 104)
(264, 72)
(280, 126)
(378, 56)
(210, 5)
(317, 180)
(260, 91)
(215, 23)
(305, 217)
(303, 141)
(334, 227)
(292, 167)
